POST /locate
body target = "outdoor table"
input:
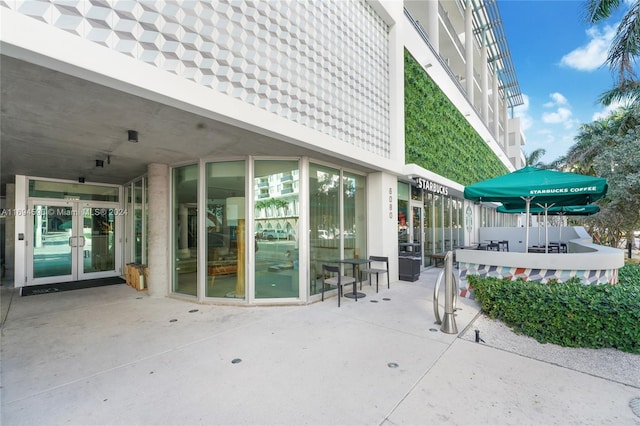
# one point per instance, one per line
(536, 249)
(493, 244)
(355, 263)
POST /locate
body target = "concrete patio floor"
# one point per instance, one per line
(114, 356)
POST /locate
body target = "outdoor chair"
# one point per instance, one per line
(503, 245)
(370, 270)
(334, 278)
(493, 247)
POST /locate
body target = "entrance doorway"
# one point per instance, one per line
(72, 240)
(416, 231)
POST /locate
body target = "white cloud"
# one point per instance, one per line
(558, 99)
(561, 115)
(592, 55)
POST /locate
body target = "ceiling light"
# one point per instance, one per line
(133, 136)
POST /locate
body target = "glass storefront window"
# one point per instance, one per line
(324, 221)
(226, 229)
(137, 221)
(354, 216)
(403, 210)
(446, 216)
(276, 190)
(438, 223)
(185, 229)
(78, 191)
(429, 246)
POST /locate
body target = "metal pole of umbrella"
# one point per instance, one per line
(527, 202)
(546, 230)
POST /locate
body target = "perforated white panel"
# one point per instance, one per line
(323, 64)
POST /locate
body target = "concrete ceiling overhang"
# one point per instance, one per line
(55, 125)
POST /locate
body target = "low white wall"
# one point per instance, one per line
(593, 263)
(515, 236)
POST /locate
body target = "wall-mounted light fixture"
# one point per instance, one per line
(133, 136)
(99, 163)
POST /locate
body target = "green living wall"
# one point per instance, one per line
(438, 137)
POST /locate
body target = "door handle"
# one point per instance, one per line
(70, 241)
(81, 245)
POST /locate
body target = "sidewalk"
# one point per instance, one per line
(112, 356)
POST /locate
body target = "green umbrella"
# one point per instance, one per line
(546, 188)
(587, 210)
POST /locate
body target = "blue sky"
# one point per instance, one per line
(558, 60)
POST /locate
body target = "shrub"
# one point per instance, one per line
(568, 314)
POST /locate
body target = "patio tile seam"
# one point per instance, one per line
(411, 388)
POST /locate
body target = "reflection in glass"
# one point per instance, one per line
(324, 220)
(429, 232)
(99, 239)
(226, 235)
(354, 216)
(437, 223)
(276, 190)
(52, 241)
(137, 221)
(403, 210)
(185, 229)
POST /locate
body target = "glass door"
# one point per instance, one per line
(53, 242)
(96, 241)
(71, 240)
(417, 231)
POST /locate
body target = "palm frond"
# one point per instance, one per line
(598, 10)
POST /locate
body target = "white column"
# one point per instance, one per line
(382, 219)
(9, 235)
(159, 237)
(432, 25)
(496, 108)
(505, 127)
(468, 49)
(484, 76)
(20, 227)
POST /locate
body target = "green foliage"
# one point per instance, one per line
(272, 202)
(569, 314)
(437, 136)
(610, 148)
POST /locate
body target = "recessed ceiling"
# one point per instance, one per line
(56, 126)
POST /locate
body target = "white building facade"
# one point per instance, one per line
(234, 147)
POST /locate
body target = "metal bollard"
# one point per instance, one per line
(449, 322)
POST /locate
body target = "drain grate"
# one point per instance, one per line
(393, 365)
(236, 361)
(635, 406)
(373, 301)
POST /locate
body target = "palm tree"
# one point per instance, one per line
(533, 158)
(624, 48)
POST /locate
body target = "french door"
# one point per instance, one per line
(71, 240)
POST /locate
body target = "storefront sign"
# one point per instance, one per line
(429, 186)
